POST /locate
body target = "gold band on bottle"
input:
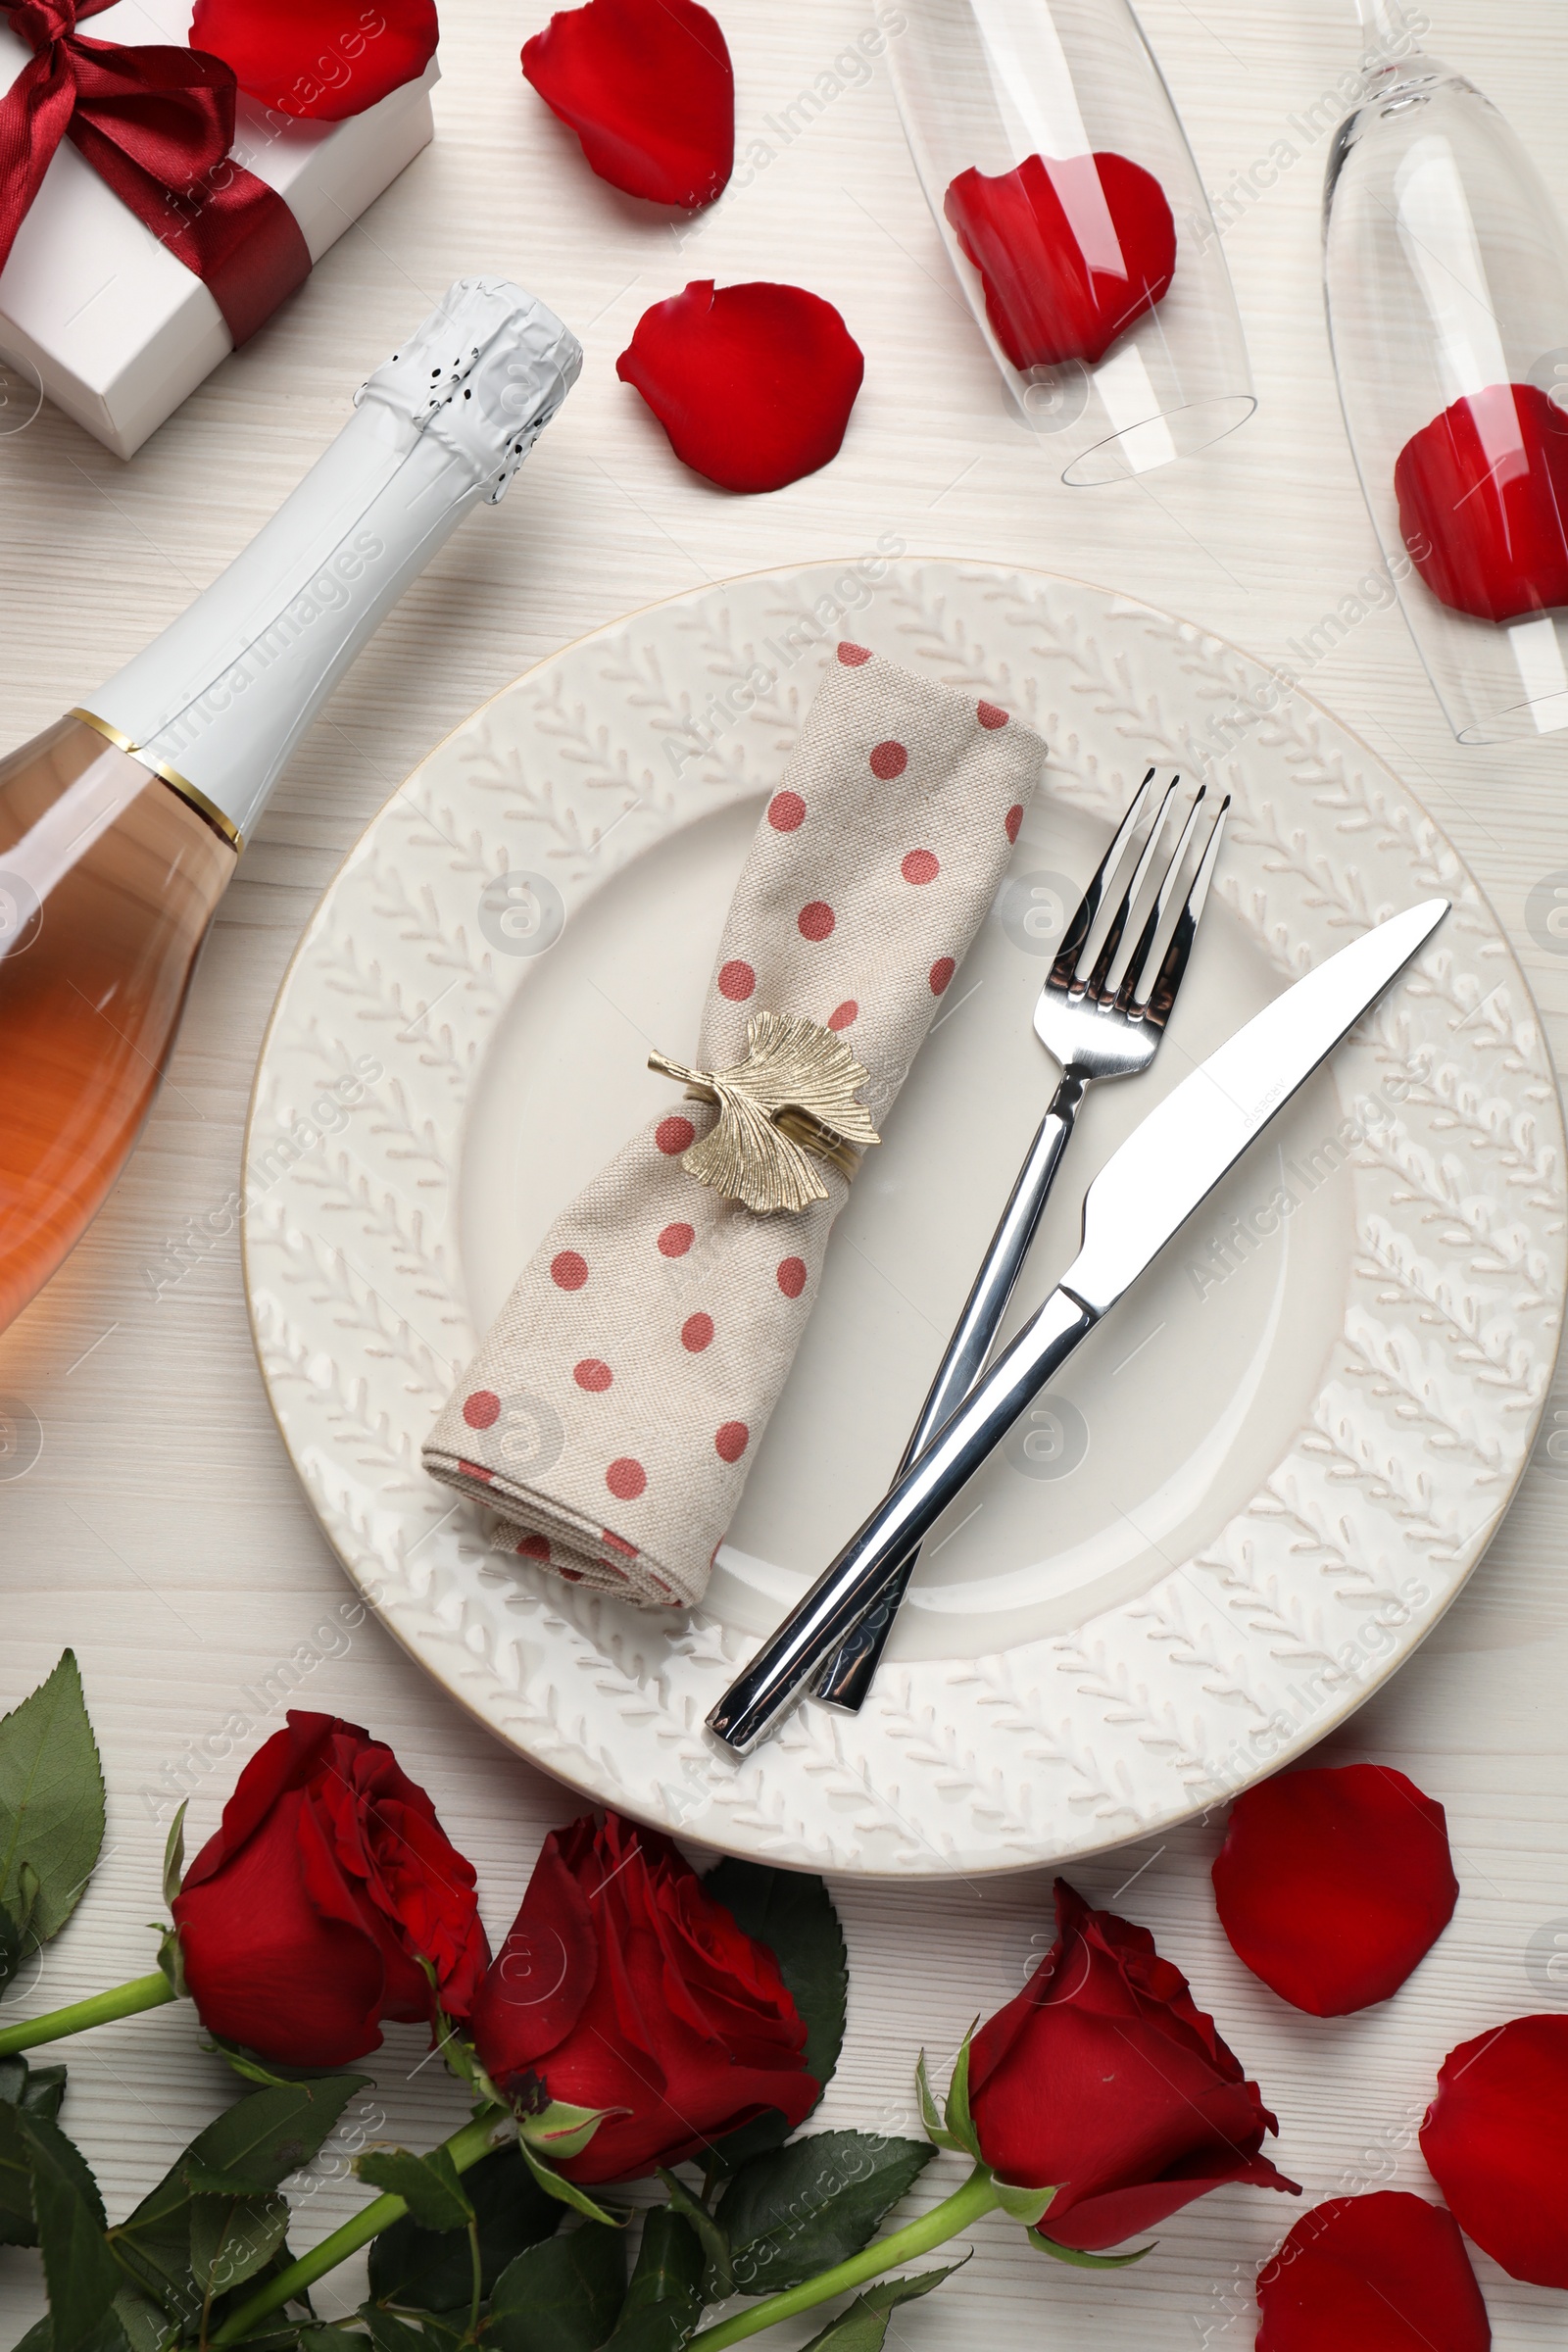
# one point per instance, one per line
(172, 776)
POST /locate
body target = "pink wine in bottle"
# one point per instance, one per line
(121, 826)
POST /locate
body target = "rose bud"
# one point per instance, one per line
(1378, 2274)
(326, 1902)
(1105, 2080)
(1495, 2144)
(1333, 1883)
(624, 1986)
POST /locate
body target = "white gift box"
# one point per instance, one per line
(95, 309)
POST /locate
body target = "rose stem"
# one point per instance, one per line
(465, 2147)
(142, 1993)
(978, 2195)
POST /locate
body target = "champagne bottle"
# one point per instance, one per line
(121, 825)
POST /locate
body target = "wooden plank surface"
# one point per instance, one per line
(162, 1532)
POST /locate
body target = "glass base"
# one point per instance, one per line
(1148, 442)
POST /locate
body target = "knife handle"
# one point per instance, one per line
(846, 1679)
(792, 1656)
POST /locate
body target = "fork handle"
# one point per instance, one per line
(846, 1679)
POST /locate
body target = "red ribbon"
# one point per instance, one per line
(155, 124)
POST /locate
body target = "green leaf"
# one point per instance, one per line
(232, 2238)
(77, 2266)
(51, 1805)
(863, 2327)
(555, 2184)
(960, 2123)
(152, 2247)
(935, 2130)
(144, 2324)
(262, 2138)
(17, 2224)
(813, 2204)
(791, 1912)
(1091, 2262)
(665, 2300)
(427, 2185)
(40, 2089)
(174, 1855)
(562, 2296)
(714, 2240)
(431, 2270)
(325, 2338)
(389, 2333)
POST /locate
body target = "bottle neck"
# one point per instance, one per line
(217, 702)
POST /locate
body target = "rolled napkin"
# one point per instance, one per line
(617, 1403)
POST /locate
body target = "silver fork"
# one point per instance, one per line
(1103, 1021)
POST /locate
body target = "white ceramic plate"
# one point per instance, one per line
(1262, 1481)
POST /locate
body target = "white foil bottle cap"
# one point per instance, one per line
(484, 376)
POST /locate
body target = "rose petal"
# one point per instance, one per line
(318, 58)
(649, 89)
(1377, 2274)
(1069, 253)
(1495, 2143)
(1332, 1885)
(753, 385)
(1482, 494)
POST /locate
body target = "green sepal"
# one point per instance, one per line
(555, 2184)
(429, 2185)
(562, 2130)
(1019, 2204)
(269, 2072)
(957, 2103)
(714, 2240)
(935, 2130)
(174, 1855)
(863, 2326)
(1091, 2262)
(169, 1957)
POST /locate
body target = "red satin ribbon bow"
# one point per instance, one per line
(155, 124)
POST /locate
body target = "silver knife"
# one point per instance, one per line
(1143, 1194)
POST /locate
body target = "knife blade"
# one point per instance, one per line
(1142, 1196)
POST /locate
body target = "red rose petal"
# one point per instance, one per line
(318, 58)
(1494, 2143)
(1332, 1885)
(1069, 253)
(753, 385)
(1378, 2274)
(1482, 494)
(649, 88)
(737, 981)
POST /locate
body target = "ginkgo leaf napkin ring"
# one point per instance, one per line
(791, 1100)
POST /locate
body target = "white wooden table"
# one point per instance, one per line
(162, 1532)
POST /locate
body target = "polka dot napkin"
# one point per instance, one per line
(615, 1408)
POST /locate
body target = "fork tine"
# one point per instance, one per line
(1094, 985)
(1138, 968)
(1156, 1006)
(1074, 938)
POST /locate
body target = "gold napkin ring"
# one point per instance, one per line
(792, 1099)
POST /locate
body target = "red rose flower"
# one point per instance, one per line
(308, 1918)
(1482, 494)
(622, 1985)
(1333, 1883)
(753, 385)
(1069, 253)
(1380, 2273)
(1495, 2142)
(321, 59)
(649, 89)
(1103, 2078)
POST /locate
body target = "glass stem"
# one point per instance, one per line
(465, 2147)
(142, 1993)
(977, 2196)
